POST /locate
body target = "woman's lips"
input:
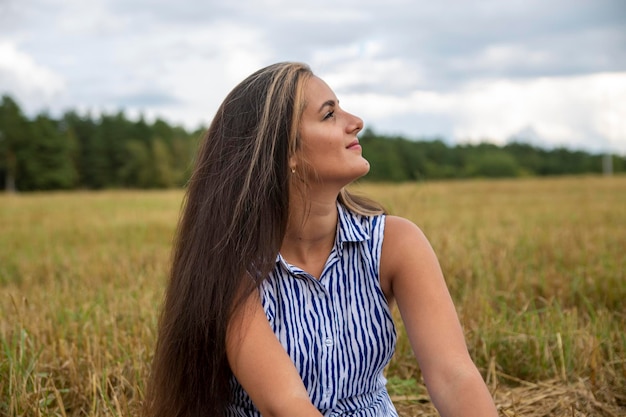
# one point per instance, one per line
(354, 145)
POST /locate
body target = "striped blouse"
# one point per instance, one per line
(338, 330)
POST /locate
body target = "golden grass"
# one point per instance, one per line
(536, 268)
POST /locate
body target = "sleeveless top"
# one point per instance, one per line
(338, 330)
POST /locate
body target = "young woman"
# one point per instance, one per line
(278, 302)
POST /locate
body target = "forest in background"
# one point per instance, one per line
(77, 151)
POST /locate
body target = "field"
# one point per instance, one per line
(536, 269)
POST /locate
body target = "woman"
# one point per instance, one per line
(279, 298)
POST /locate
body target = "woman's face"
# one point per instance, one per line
(328, 141)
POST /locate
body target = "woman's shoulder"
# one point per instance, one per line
(403, 241)
(399, 229)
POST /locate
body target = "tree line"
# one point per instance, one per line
(77, 151)
(400, 159)
(83, 152)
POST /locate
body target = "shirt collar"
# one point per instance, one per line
(349, 226)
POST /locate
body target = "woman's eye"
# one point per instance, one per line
(329, 115)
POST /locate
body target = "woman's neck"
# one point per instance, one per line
(311, 230)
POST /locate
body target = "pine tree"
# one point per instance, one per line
(14, 132)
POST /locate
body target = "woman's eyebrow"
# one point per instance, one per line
(330, 103)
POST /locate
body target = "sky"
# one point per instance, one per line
(551, 73)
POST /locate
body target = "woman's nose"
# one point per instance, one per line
(355, 125)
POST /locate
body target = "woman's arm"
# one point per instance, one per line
(411, 272)
(262, 367)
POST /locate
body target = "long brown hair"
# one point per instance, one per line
(231, 228)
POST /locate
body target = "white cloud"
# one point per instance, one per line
(93, 17)
(582, 111)
(34, 84)
(466, 70)
(561, 110)
(360, 67)
(197, 68)
(501, 57)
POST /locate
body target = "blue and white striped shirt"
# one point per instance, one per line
(338, 330)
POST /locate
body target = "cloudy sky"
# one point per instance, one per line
(551, 72)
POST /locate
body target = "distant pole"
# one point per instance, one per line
(607, 164)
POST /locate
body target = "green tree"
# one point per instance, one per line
(162, 165)
(109, 150)
(47, 161)
(385, 163)
(183, 150)
(160, 129)
(88, 157)
(14, 134)
(137, 170)
(441, 161)
(492, 163)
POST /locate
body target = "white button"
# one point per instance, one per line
(328, 342)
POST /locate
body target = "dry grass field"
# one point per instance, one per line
(536, 268)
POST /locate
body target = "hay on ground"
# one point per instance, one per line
(542, 399)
